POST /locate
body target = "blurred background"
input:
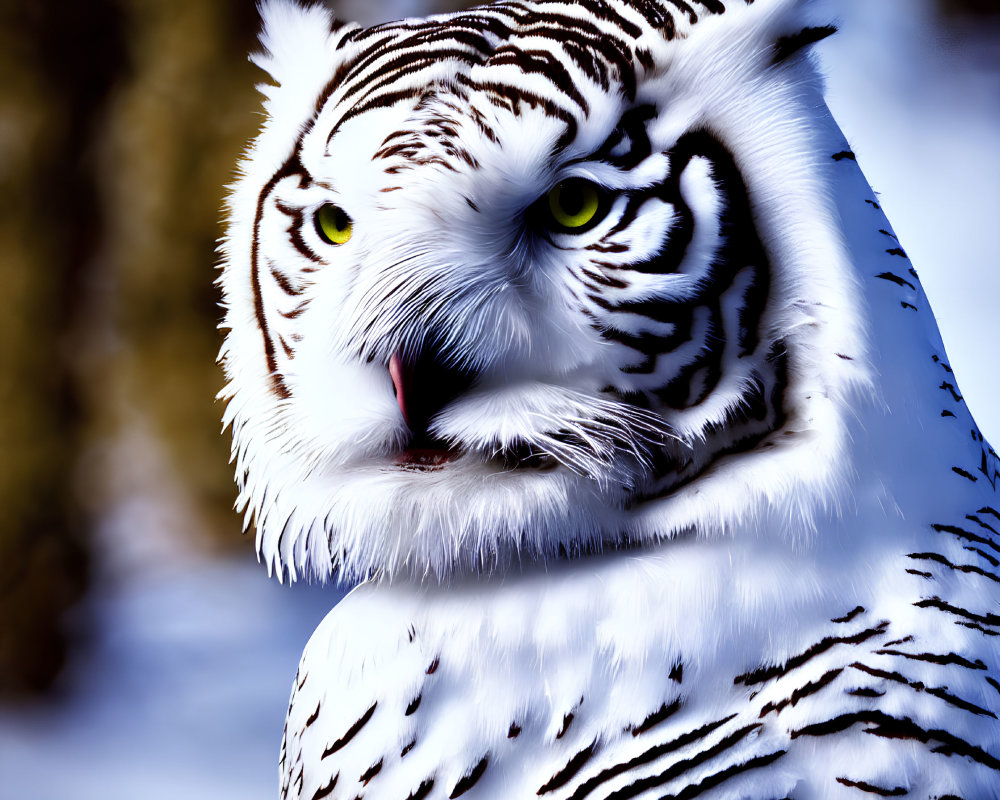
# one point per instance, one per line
(143, 653)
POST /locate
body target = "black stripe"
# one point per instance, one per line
(739, 249)
(647, 757)
(721, 777)
(961, 533)
(296, 312)
(656, 17)
(404, 62)
(964, 474)
(319, 794)
(941, 692)
(938, 603)
(404, 65)
(633, 126)
(544, 63)
(291, 167)
(573, 766)
(422, 790)
(510, 98)
(801, 692)
(679, 768)
(470, 779)
(869, 693)
(767, 673)
(787, 46)
(606, 13)
(351, 732)
(889, 727)
(871, 788)
(371, 772)
(945, 660)
(969, 569)
(754, 302)
(850, 615)
(282, 280)
(295, 232)
(893, 278)
(952, 699)
(660, 715)
(567, 721)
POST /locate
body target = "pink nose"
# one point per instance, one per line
(397, 373)
(424, 386)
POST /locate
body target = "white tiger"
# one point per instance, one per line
(574, 334)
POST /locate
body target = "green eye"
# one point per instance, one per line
(332, 224)
(575, 205)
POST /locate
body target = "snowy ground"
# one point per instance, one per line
(183, 693)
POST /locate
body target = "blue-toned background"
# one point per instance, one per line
(143, 653)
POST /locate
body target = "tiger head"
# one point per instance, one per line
(532, 280)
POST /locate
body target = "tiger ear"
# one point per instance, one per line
(300, 51)
(788, 47)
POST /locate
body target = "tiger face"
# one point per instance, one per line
(499, 288)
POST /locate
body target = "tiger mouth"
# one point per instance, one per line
(427, 385)
(423, 459)
(423, 386)
(430, 455)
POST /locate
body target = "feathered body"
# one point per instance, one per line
(681, 500)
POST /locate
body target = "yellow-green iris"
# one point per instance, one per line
(332, 224)
(574, 204)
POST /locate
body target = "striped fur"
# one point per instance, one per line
(870, 702)
(627, 360)
(683, 505)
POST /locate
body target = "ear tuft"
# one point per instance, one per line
(788, 46)
(296, 40)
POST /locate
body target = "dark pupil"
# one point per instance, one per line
(339, 219)
(571, 199)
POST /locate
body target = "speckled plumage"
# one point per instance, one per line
(685, 503)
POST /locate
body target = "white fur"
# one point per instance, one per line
(309, 466)
(767, 547)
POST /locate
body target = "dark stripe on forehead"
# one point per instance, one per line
(545, 63)
(510, 98)
(408, 57)
(602, 11)
(344, 69)
(606, 13)
(503, 20)
(425, 37)
(402, 50)
(686, 9)
(592, 50)
(658, 17)
(402, 66)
